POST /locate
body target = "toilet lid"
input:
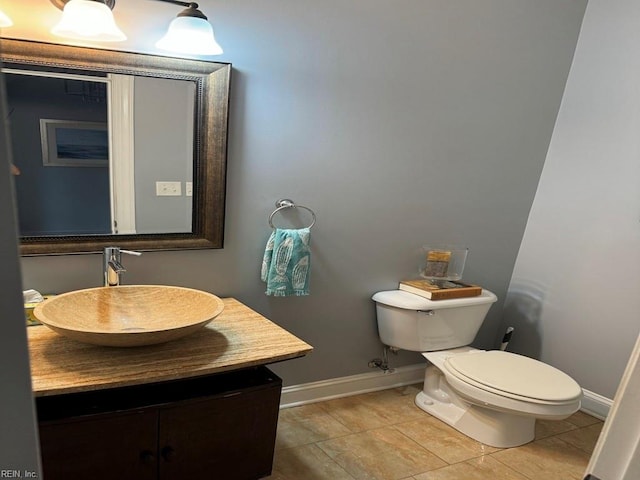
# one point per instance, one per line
(512, 374)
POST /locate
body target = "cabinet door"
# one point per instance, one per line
(102, 447)
(230, 437)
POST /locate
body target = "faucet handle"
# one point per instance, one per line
(130, 252)
(112, 268)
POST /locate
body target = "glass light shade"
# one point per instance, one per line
(88, 20)
(190, 35)
(5, 21)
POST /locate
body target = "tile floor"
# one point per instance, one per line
(383, 436)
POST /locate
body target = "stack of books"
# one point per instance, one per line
(440, 291)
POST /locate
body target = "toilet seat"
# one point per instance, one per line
(514, 376)
(503, 381)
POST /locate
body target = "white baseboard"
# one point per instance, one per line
(596, 405)
(592, 403)
(353, 385)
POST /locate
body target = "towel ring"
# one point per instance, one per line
(286, 203)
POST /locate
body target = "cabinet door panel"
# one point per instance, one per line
(103, 447)
(229, 438)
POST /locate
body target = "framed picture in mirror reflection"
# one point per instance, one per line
(70, 143)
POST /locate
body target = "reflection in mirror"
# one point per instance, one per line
(81, 185)
(60, 120)
(52, 120)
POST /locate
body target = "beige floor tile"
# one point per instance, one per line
(581, 419)
(383, 435)
(307, 462)
(380, 454)
(482, 468)
(303, 412)
(583, 438)
(376, 409)
(548, 428)
(307, 424)
(401, 400)
(446, 442)
(353, 413)
(545, 459)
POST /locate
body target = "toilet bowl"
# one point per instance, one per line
(495, 397)
(491, 396)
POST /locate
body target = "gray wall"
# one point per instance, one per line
(399, 123)
(18, 438)
(164, 114)
(574, 294)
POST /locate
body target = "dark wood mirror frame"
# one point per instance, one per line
(210, 147)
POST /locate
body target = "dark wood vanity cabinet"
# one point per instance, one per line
(220, 427)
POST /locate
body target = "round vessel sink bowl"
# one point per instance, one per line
(129, 315)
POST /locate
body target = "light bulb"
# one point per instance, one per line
(88, 20)
(5, 21)
(192, 35)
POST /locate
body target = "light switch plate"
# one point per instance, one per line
(168, 189)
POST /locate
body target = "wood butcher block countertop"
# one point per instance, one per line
(237, 338)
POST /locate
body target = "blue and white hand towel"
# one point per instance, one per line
(286, 263)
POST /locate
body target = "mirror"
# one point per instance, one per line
(187, 109)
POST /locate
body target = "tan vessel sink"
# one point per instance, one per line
(129, 315)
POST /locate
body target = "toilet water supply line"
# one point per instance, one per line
(383, 363)
(506, 338)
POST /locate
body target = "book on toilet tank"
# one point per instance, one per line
(441, 291)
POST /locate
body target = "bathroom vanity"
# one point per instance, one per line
(204, 406)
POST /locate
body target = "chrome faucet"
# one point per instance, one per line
(112, 268)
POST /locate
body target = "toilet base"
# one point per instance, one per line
(491, 427)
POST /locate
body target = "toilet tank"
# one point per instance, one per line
(411, 322)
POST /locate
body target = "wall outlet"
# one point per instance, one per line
(168, 189)
(188, 189)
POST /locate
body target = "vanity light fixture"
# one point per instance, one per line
(87, 20)
(189, 32)
(5, 21)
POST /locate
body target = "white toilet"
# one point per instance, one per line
(492, 396)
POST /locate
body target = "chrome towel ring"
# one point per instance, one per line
(286, 203)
